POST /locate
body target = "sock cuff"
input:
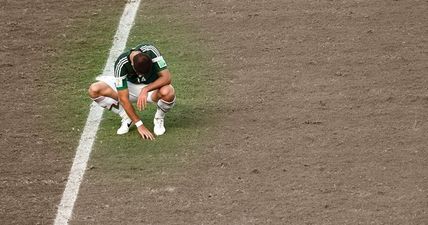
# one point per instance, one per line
(165, 106)
(167, 103)
(98, 99)
(105, 102)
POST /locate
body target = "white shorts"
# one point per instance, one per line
(134, 89)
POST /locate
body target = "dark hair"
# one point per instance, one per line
(142, 63)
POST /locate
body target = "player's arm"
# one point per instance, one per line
(129, 109)
(163, 80)
(121, 83)
(127, 105)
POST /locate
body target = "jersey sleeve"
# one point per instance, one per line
(120, 73)
(159, 62)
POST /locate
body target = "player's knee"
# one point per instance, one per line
(94, 90)
(167, 93)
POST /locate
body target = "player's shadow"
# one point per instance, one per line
(189, 116)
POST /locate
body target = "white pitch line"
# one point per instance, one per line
(83, 151)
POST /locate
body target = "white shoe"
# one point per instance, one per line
(124, 127)
(159, 128)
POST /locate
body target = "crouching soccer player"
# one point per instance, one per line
(140, 76)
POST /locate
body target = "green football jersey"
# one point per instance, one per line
(124, 72)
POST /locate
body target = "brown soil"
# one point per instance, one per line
(31, 180)
(34, 160)
(324, 121)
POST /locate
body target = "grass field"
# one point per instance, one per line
(128, 155)
(188, 62)
(84, 48)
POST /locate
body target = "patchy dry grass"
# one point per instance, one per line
(121, 156)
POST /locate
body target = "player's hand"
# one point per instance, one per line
(142, 100)
(145, 133)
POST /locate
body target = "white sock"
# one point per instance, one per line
(159, 114)
(163, 107)
(105, 102)
(120, 111)
(112, 105)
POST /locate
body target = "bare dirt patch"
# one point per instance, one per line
(35, 156)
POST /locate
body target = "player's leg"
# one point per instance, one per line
(101, 93)
(104, 93)
(164, 98)
(165, 101)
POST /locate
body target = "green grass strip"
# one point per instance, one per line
(187, 124)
